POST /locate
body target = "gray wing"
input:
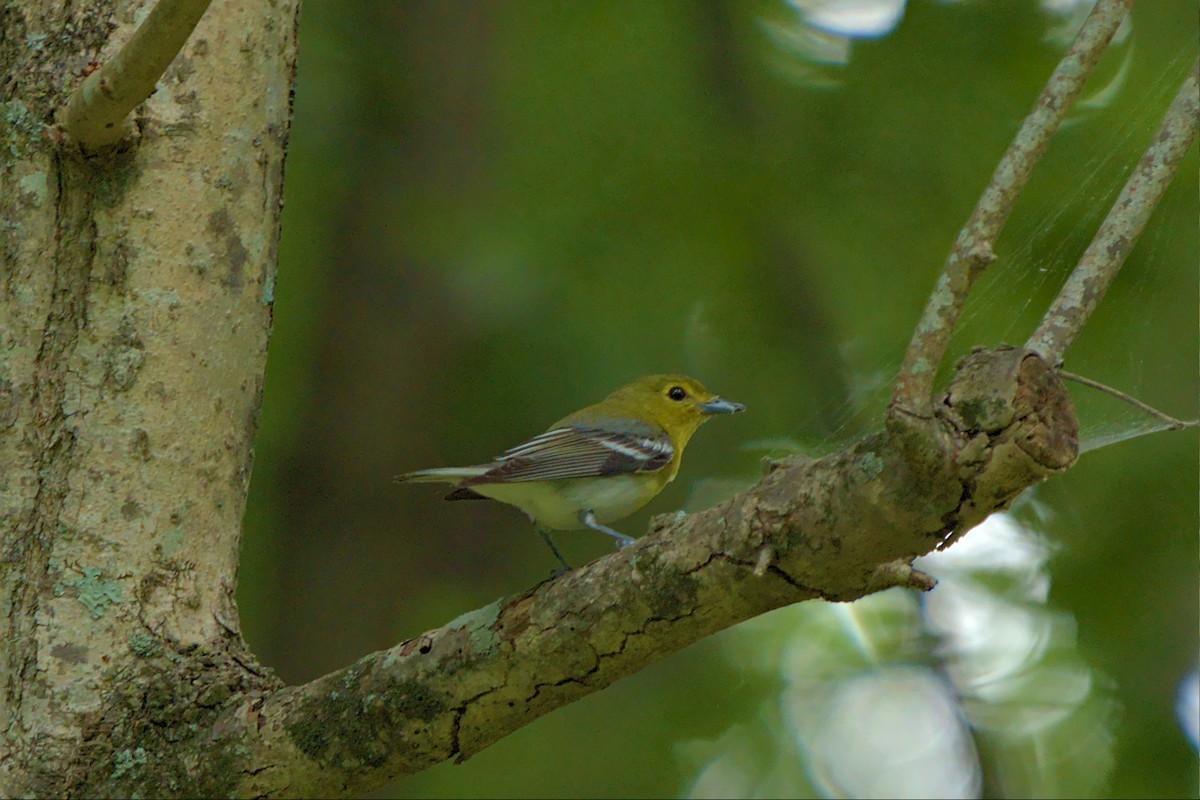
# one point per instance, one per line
(582, 451)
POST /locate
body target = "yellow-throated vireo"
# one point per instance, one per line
(597, 465)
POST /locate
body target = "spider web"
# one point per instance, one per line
(986, 670)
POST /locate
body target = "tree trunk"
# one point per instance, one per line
(134, 317)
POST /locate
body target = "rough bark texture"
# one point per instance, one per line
(135, 304)
(837, 528)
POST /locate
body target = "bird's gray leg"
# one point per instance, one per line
(589, 519)
(554, 548)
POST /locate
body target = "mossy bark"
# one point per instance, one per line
(135, 306)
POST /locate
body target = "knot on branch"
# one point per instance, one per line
(1015, 426)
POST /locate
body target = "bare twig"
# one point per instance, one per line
(1167, 419)
(972, 251)
(1104, 256)
(95, 114)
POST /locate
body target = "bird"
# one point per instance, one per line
(594, 466)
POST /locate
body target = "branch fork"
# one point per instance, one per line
(97, 114)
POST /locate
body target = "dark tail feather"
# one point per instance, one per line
(466, 494)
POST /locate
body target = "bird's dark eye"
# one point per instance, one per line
(676, 393)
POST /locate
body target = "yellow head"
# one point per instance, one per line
(676, 403)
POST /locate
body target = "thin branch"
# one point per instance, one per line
(1167, 419)
(1106, 254)
(973, 250)
(96, 111)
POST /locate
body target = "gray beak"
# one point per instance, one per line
(720, 406)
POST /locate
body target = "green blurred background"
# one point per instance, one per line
(499, 211)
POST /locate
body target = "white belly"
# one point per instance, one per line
(558, 505)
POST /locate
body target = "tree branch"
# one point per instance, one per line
(97, 109)
(836, 528)
(973, 250)
(1106, 254)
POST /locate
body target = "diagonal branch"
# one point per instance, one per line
(837, 528)
(973, 250)
(95, 114)
(1107, 252)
